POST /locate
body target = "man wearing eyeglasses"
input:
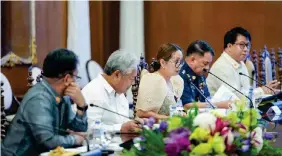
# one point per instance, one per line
(45, 115)
(237, 44)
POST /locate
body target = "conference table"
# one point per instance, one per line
(267, 122)
(114, 145)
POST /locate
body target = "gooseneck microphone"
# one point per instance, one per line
(251, 106)
(257, 82)
(93, 105)
(208, 101)
(136, 121)
(19, 121)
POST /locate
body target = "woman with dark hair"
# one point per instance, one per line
(163, 87)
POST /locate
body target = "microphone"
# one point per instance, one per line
(93, 105)
(19, 121)
(136, 121)
(258, 82)
(252, 105)
(208, 101)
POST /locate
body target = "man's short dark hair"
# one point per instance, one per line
(231, 35)
(59, 62)
(199, 47)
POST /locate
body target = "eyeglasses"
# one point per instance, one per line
(178, 63)
(76, 77)
(243, 45)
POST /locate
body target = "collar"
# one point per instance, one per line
(187, 70)
(51, 90)
(106, 84)
(234, 63)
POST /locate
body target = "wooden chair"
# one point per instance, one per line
(273, 63)
(8, 95)
(280, 65)
(35, 75)
(255, 63)
(3, 114)
(265, 66)
(251, 70)
(142, 65)
(10, 102)
(93, 69)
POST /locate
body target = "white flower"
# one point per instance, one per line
(205, 121)
(257, 139)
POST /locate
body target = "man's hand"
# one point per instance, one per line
(224, 104)
(75, 94)
(79, 136)
(130, 127)
(78, 139)
(273, 85)
(71, 132)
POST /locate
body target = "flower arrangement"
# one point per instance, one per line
(209, 133)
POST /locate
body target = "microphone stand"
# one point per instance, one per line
(136, 121)
(258, 82)
(93, 105)
(213, 106)
(52, 128)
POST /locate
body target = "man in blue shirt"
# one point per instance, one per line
(198, 57)
(45, 113)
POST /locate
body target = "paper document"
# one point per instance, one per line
(223, 94)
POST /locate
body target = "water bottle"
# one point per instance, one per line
(179, 105)
(172, 110)
(98, 133)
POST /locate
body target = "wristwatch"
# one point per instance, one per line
(82, 108)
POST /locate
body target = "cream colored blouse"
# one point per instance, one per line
(155, 95)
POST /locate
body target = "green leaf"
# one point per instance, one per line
(268, 150)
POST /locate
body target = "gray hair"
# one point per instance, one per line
(121, 60)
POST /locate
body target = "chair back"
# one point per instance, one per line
(93, 69)
(3, 114)
(34, 75)
(255, 63)
(135, 86)
(251, 70)
(279, 64)
(267, 65)
(7, 92)
(273, 63)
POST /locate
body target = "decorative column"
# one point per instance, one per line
(78, 39)
(132, 30)
(32, 45)
(132, 27)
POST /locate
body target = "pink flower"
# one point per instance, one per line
(227, 135)
(219, 125)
